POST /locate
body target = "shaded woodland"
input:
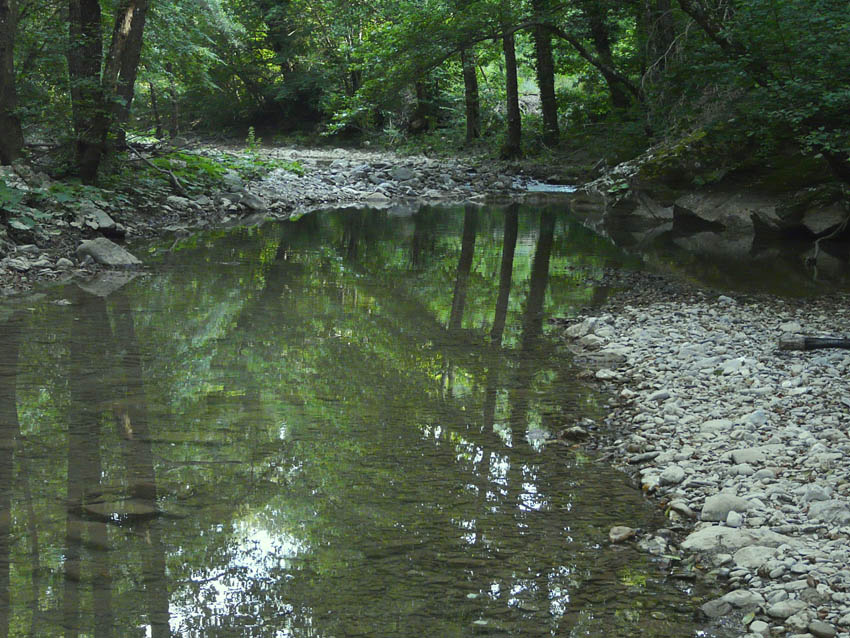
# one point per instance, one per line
(506, 77)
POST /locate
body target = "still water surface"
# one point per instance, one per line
(320, 428)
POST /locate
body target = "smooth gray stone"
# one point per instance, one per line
(106, 252)
(786, 608)
(721, 538)
(717, 507)
(716, 608)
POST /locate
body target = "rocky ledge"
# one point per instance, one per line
(745, 445)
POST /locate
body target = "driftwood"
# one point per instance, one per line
(790, 341)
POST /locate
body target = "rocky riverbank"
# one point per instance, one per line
(47, 223)
(745, 445)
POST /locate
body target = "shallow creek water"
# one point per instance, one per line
(326, 427)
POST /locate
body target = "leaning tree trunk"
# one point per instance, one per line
(601, 38)
(473, 101)
(124, 54)
(513, 146)
(11, 138)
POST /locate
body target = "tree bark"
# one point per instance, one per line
(174, 119)
(546, 83)
(12, 138)
(85, 51)
(473, 102)
(601, 37)
(545, 68)
(513, 146)
(157, 120)
(123, 60)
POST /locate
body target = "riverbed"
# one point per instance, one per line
(345, 424)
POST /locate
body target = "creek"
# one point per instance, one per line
(331, 426)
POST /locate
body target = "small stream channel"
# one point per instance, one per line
(325, 427)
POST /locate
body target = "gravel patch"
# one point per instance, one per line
(744, 445)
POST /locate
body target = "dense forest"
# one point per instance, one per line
(508, 77)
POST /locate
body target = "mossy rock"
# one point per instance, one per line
(717, 154)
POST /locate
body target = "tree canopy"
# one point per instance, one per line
(515, 72)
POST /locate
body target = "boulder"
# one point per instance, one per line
(716, 538)
(718, 210)
(106, 252)
(820, 221)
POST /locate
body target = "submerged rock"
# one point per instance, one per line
(621, 533)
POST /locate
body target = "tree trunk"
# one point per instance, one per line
(545, 68)
(601, 38)
(12, 138)
(85, 51)
(546, 83)
(513, 146)
(173, 126)
(473, 102)
(157, 120)
(123, 59)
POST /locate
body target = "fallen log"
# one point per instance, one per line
(790, 341)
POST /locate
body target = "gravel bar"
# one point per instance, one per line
(744, 444)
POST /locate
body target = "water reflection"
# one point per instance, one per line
(318, 428)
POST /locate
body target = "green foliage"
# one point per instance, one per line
(252, 142)
(16, 207)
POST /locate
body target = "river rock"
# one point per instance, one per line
(833, 511)
(717, 425)
(621, 533)
(786, 608)
(402, 173)
(820, 629)
(673, 475)
(744, 599)
(96, 218)
(755, 455)
(754, 556)
(716, 608)
(252, 202)
(106, 252)
(715, 538)
(717, 507)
